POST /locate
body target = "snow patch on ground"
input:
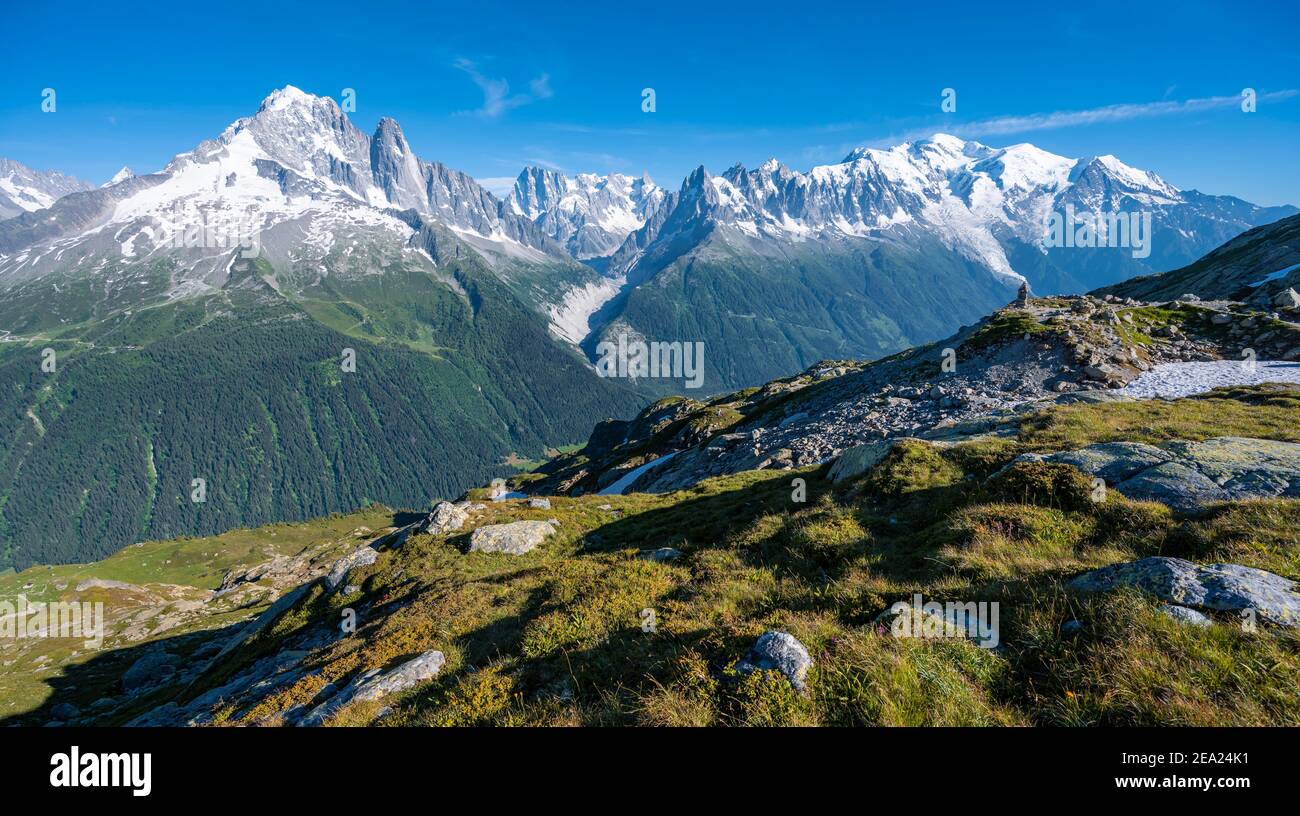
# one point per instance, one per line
(617, 488)
(1173, 380)
(1281, 273)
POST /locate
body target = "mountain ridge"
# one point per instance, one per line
(23, 189)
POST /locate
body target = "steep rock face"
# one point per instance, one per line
(396, 168)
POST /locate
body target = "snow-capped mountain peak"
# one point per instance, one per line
(297, 168)
(23, 189)
(120, 176)
(1107, 173)
(589, 214)
(986, 203)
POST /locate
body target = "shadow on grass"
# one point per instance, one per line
(99, 678)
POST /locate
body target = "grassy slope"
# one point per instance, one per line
(555, 637)
(198, 563)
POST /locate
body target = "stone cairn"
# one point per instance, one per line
(1022, 297)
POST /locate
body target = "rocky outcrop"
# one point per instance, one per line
(361, 557)
(1217, 587)
(153, 669)
(1188, 476)
(515, 538)
(858, 459)
(979, 381)
(376, 684)
(446, 518)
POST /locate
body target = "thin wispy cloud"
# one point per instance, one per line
(570, 127)
(1003, 125)
(497, 98)
(1055, 120)
(541, 87)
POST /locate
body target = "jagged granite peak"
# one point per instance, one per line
(299, 167)
(396, 168)
(589, 214)
(120, 176)
(23, 189)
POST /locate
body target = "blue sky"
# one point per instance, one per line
(490, 87)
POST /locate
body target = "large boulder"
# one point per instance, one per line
(515, 538)
(857, 460)
(778, 651)
(445, 518)
(1287, 299)
(360, 557)
(1220, 587)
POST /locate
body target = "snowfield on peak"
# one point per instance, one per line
(295, 172)
(23, 189)
(590, 215)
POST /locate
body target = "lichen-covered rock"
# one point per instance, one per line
(1114, 461)
(1188, 476)
(778, 651)
(662, 554)
(1222, 587)
(515, 538)
(1184, 615)
(445, 518)
(360, 557)
(376, 684)
(539, 503)
(1174, 484)
(858, 459)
